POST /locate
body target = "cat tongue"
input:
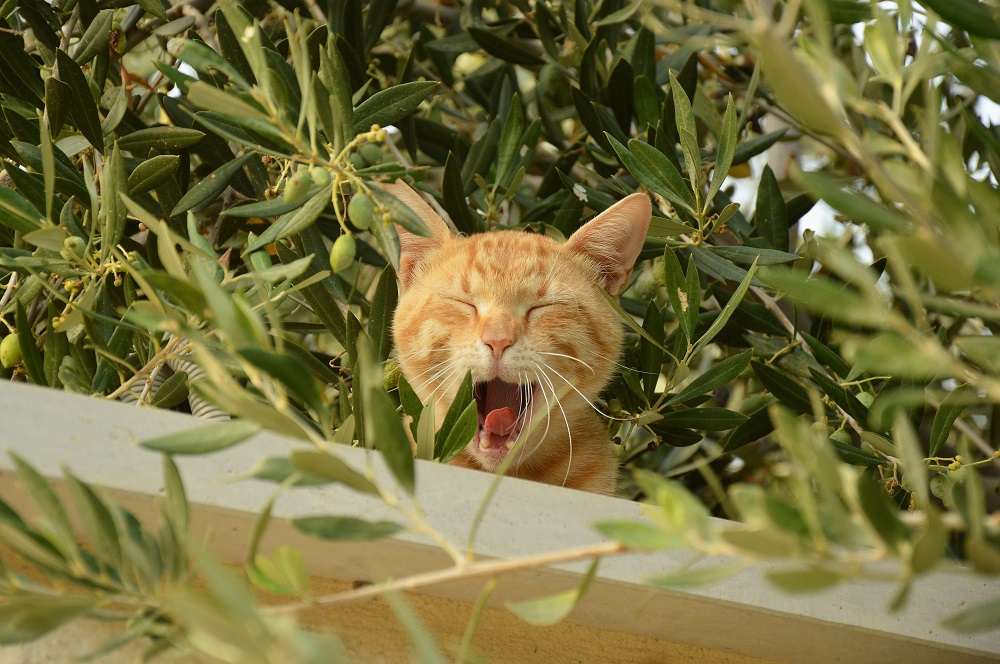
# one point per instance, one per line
(499, 421)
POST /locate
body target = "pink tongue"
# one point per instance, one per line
(499, 421)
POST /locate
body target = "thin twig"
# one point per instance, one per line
(470, 571)
(154, 362)
(9, 290)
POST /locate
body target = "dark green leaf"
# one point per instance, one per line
(83, 109)
(163, 139)
(391, 105)
(703, 419)
(719, 374)
(152, 173)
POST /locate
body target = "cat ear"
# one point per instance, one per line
(614, 238)
(414, 248)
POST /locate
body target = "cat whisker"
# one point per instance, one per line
(622, 366)
(425, 351)
(442, 377)
(569, 432)
(569, 357)
(443, 384)
(433, 367)
(437, 367)
(548, 412)
(582, 396)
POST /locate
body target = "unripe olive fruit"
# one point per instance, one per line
(74, 246)
(10, 351)
(342, 253)
(296, 187)
(320, 176)
(361, 211)
(358, 161)
(371, 153)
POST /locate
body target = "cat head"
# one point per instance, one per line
(526, 314)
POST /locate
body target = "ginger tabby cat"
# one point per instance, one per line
(524, 313)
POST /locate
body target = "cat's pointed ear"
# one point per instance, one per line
(614, 238)
(413, 248)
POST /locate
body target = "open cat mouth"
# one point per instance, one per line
(503, 411)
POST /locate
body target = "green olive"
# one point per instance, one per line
(296, 187)
(358, 161)
(320, 176)
(74, 246)
(10, 351)
(342, 253)
(361, 211)
(371, 153)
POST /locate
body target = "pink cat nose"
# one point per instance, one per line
(498, 345)
(499, 333)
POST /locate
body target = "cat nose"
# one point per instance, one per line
(498, 345)
(498, 334)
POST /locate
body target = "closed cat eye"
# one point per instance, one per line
(465, 302)
(543, 305)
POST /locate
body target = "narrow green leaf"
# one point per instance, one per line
(294, 222)
(880, 512)
(724, 153)
(176, 506)
(163, 139)
(99, 525)
(83, 109)
(17, 213)
(708, 418)
(554, 608)
(654, 171)
(57, 521)
(806, 580)
(688, 133)
(209, 187)
(204, 439)
(345, 528)
(717, 375)
(324, 465)
(152, 173)
(698, 577)
(95, 38)
(31, 356)
(947, 413)
(912, 458)
(461, 433)
(637, 535)
(510, 140)
(383, 426)
(770, 216)
(727, 311)
(391, 105)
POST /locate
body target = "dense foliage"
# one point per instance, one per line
(191, 218)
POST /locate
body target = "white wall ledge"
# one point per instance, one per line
(97, 440)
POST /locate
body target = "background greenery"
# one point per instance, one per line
(191, 219)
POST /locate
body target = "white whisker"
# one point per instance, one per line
(582, 396)
(569, 432)
(569, 357)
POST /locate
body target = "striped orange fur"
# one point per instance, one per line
(525, 309)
